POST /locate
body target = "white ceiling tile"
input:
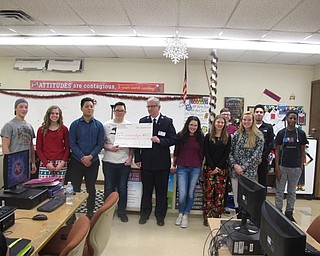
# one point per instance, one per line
(154, 52)
(50, 12)
(10, 51)
(97, 52)
(37, 51)
(205, 13)
(199, 32)
(155, 31)
(257, 56)
(4, 31)
(198, 54)
(229, 55)
(260, 14)
(33, 30)
(67, 51)
(113, 30)
(315, 38)
(72, 30)
(285, 36)
(152, 13)
(128, 52)
(304, 18)
(312, 60)
(100, 12)
(288, 58)
(242, 34)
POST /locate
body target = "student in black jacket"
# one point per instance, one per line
(155, 162)
(268, 135)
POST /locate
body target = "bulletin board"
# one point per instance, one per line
(69, 102)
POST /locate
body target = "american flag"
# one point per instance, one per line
(185, 85)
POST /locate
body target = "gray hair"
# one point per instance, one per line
(155, 100)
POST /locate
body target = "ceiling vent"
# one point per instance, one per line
(27, 64)
(15, 17)
(65, 65)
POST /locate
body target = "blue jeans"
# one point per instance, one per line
(187, 178)
(116, 179)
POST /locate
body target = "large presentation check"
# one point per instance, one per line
(134, 135)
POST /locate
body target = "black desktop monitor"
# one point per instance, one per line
(16, 169)
(251, 196)
(278, 235)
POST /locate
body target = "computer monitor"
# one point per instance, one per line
(278, 235)
(251, 196)
(16, 170)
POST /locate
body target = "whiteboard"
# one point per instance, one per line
(70, 106)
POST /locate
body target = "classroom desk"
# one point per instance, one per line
(214, 223)
(40, 232)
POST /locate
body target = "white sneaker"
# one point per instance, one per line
(178, 220)
(184, 221)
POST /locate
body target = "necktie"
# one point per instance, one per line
(154, 126)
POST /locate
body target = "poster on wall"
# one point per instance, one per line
(276, 115)
(53, 85)
(198, 107)
(235, 105)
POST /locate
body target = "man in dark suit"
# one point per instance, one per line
(268, 135)
(155, 163)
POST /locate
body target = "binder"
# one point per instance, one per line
(19, 246)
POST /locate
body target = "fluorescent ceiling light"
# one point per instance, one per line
(161, 42)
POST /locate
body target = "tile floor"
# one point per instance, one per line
(133, 239)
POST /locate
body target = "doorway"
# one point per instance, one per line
(314, 128)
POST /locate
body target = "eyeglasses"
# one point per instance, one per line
(226, 114)
(152, 106)
(119, 111)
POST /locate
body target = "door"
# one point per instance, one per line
(314, 128)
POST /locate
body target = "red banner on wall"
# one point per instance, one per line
(96, 86)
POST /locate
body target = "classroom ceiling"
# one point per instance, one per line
(294, 21)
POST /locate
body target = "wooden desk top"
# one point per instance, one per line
(214, 223)
(40, 232)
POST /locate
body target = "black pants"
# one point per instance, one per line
(157, 179)
(263, 172)
(76, 172)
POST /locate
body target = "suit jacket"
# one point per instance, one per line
(157, 157)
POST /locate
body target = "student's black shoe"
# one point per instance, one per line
(289, 215)
(142, 220)
(160, 223)
(123, 217)
(205, 223)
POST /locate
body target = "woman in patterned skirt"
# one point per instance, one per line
(216, 150)
(52, 145)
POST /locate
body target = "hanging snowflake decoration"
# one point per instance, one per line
(176, 49)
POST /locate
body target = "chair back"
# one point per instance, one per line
(77, 238)
(314, 229)
(100, 226)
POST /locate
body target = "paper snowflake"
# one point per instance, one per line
(176, 49)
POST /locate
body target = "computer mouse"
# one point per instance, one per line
(40, 217)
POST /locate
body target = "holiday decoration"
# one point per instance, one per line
(213, 87)
(176, 49)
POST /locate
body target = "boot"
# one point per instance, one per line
(289, 215)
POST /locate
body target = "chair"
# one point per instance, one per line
(314, 229)
(75, 242)
(100, 227)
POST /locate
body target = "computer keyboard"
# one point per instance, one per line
(6, 210)
(311, 251)
(52, 204)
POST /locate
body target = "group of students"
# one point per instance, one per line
(227, 151)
